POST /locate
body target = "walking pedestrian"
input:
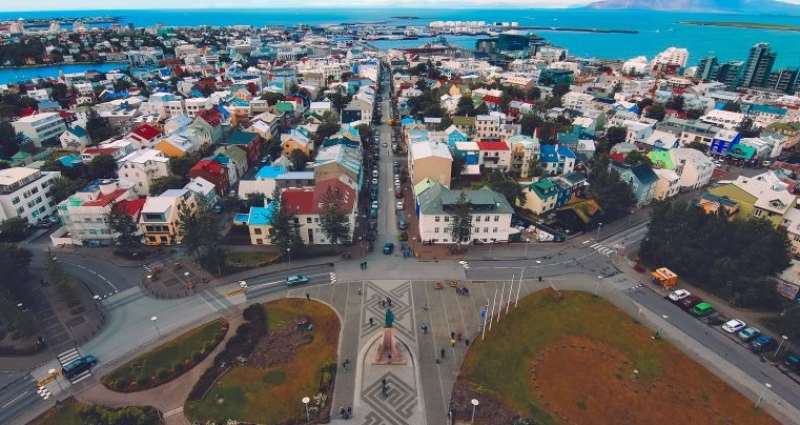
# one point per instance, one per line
(389, 301)
(442, 352)
(384, 383)
(466, 342)
(458, 336)
(371, 321)
(342, 412)
(308, 296)
(349, 412)
(453, 343)
(425, 307)
(452, 334)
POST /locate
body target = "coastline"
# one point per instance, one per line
(47, 65)
(748, 25)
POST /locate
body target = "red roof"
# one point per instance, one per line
(209, 165)
(491, 99)
(146, 132)
(345, 192)
(105, 199)
(492, 146)
(65, 114)
(100, 151)
(211, 116)
(299, 201)
(131, 207)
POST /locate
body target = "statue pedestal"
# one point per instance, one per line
(387, 353)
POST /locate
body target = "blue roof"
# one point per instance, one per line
(69, 160)
(767, 109)
(548, 153)
(565, 152)
(270, 171)
(260, 216)
(78, 131)
(223, 111)
(220, 157)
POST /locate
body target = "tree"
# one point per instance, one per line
(159, 185)
(507, 187)
(457, 166)
(272, 97)
(635, 157)
(180, 165)
(98, 128)
(13, 229)
(103, 167)
(200, 234)
(126, 229)
(298, 158)
(614, 195)
(14, 262)
(694, 113)
(616, 135)
(465, 107)
(285, 232)
(9, 140)
(656, 112)
(333, 218)
(65, 285)
(534, 94)
(560, 89)
(64, 187)
(461, 220)
(747, 128)
(529, 123)
(482, 109)
(732, 107)
(702, 147)
(676, 102)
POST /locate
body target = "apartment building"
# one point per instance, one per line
(25, 193)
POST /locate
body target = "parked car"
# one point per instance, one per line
(689, 302)
(402, 225)
(374, 182)
(388, 248)
(792, 363)
(748, 334)
(733, 326)
(400, 205)
(297, 279)
(217, 208)
(373, 213)
(78, 366)
(702, 309)
(763, 343)
(678, 295)
(373, 225)
(398, 193)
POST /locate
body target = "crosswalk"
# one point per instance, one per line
(602, 249)
(68, 356)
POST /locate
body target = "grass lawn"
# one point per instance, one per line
(573, 361)
(68, 414)
(178, 350)
(251, 258)
(271, 395)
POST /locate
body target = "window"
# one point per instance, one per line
(757, 213)
(436, 230)
(478, 219)
(797, 238)
(476, 230)
(15, 201)
(20, 210)
(497, 218)
(447, 219)
(436, 219)
(485, 230)
(257, 230)
(308, 220)
(34, 190)
(259, 241)
(486, 219)
(494, 230)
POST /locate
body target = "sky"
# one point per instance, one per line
(43, 5)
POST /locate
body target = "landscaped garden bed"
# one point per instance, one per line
(280, 355)
(578, 359)
(71, 412)
(168, 361)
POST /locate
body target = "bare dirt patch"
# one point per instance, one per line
(279, 346)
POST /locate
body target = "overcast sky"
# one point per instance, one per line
(39, 5)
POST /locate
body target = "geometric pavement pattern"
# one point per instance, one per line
(401, 307)
(397, 408)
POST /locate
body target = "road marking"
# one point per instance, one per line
(92, 272)
(264, 285)
(15, 400)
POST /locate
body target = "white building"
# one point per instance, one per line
(672, 57)
(44, 127)
(141, 168)
(577, 101)
(694, 167)
(725, 119)
(24, 193)
(85, 213)
(490, 211)
(636, 66)
(669, 183)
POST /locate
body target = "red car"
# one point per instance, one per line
(689, 302)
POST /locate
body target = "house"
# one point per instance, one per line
(668, 184)
(725, 119)
(661, 140)
(338, 161)
(234, 159)
(116, 149)
(306, 204)
(213, 172)
(144, 136)
(540, 196)
(178, 144)
(758, 197)
(24, 193)
(259, 224)
(297, 138)
(453, 135)
(490, 212)
(711, 204)
(556, 159)
(357, 110)
(250, 143)
(694, 167)
(210, 126)
(203, 188)
(140, 168)
(641, 178)
(160, 215)
(525, 153)
(267, 125)
(41, 128)
(579, 215)
(85, 213)
(494, 154)
(466, 125)
(723, 141)
(74, 138)
(429, 160)
(264, 182)
(792, 225)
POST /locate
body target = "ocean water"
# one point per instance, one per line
(657, 30)
(25, 74)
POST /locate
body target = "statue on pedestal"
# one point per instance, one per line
(387, 352)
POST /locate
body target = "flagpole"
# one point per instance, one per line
(500, 306)
(510, 291)
(492, 315)
(519, 286)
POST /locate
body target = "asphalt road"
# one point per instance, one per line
(18, 397)
(271, 282)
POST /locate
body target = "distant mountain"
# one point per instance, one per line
(714, 6)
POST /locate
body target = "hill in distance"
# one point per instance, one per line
(714, 6)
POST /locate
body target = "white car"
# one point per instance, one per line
(734, 325)
(400, 205)
(679, 295)
(374, 181)
(385, 144)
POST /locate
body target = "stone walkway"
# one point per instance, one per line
(168, 398)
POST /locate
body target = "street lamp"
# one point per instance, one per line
(475, 404)
(599, 226)
(305, 401)
(597, 287)
(783, 339)
(657, 334)
(630, 220)
(763, 393)
(154, 319)
(52, 372)
(289, 252)
(527, 244)
(538, 264)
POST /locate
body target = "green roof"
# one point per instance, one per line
(423, 186)
(662, 159)
(460, 120)
(241, 138)
(284, 107)
(544, 188)
(20, 155)
(439, 199)
(740, 151)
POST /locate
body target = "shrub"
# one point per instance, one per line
(142, 381)
(178, 367)
(121, 384)
(208, 346)
(162, 374)
(197, 356)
